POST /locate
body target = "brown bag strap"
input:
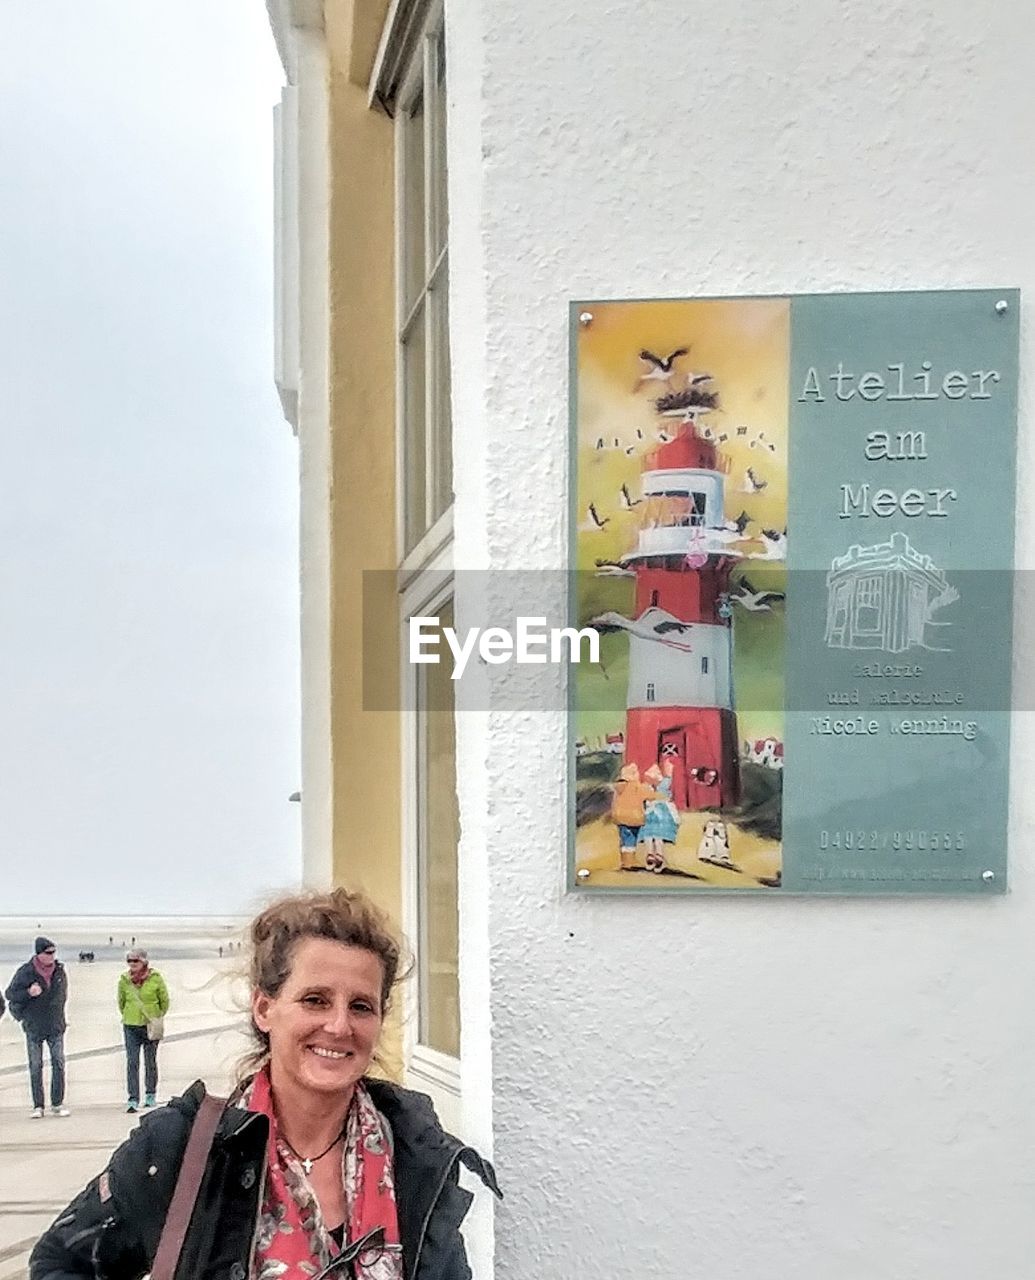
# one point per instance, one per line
(188, 1184)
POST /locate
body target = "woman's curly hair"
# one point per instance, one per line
(339, 915)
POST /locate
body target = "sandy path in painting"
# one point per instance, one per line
(597, 852)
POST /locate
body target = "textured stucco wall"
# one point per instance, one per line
(723, 1088)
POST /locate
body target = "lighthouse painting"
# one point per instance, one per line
(680, 486)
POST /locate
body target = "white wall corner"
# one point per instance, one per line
(287, 17)
(301, 372)
(286, 284)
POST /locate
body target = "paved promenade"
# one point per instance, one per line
(43, 1163)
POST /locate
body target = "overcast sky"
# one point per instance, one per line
(148, 483)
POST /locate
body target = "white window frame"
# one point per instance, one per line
(417, 77)
(424, 596)
(426, 578)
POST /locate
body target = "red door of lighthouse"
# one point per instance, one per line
(703, 762)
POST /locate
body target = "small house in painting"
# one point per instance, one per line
(882, 597)
(767, 752)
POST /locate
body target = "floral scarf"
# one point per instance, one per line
(292, 1242)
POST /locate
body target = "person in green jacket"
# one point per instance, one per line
(143, 1002)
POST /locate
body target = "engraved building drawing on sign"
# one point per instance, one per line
(884, 597)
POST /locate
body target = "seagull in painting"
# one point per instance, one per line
(751, 483)
(775, 544)
(659, 368)
(756, 601)
(719, 540)
(612, 569)
(593, 522)
(626, 501)
(659, 631)
(760, 442)
(739, 525)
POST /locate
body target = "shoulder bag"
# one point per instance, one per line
(155, 1026)
(188, 1184)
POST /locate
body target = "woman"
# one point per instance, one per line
(315, 1169)
(660, 828)
(143, 1000)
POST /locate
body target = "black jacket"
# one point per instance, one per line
(112, 1228)
(42, 1015)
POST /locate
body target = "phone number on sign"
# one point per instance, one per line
(921, 841)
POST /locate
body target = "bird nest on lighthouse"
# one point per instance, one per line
(690, 400)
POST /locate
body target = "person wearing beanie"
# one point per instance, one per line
(36, 997)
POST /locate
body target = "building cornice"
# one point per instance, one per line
(287, 17)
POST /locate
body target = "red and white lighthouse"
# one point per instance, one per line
(679, 703)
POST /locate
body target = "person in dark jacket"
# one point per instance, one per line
(316, 1169)
(36, 995)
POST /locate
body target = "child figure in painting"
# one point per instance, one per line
(661, 820)
(627, 812)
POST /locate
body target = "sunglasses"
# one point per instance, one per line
(49, 951)
(366, 1251)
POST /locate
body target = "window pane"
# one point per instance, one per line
(441, 426)
(413, 205)
(439, 216)
(437, 887)
(414, 433)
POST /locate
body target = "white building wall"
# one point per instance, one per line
(302, 350)
(712, 1087)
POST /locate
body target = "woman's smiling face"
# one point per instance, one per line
(324, 1023)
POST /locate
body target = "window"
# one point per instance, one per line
(424, 451)
(704, 666)
(650, 691)
(426, 457)
(438, 833)
(867, 605)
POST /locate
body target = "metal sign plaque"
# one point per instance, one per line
(792, 525)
